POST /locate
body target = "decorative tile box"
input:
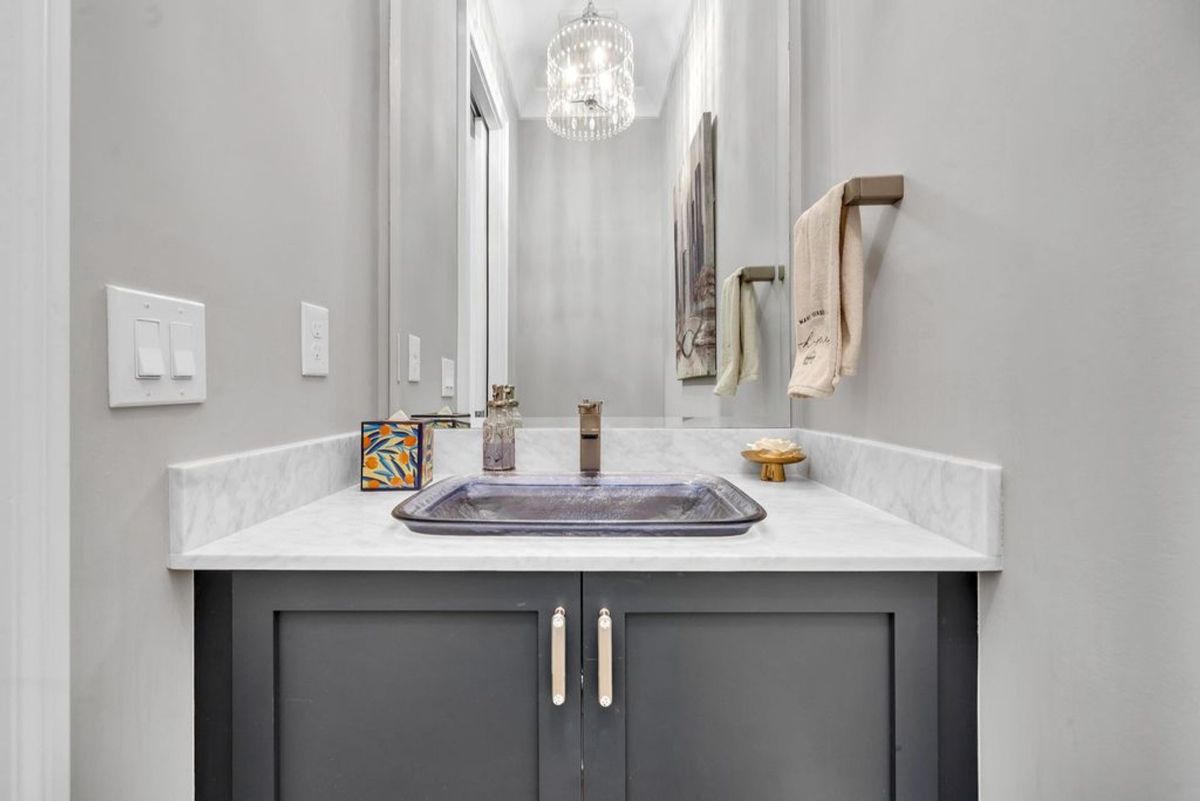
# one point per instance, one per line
(396, 455)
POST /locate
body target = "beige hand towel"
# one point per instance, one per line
(827, 279)
(737, 335)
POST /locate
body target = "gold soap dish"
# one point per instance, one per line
(773, 462)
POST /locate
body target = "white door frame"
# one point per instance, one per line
(35, 303)
(472, 378)
(479, 77)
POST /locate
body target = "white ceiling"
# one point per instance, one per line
(525, 27)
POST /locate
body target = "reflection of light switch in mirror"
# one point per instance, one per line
(155, 349)
(314, 340)
(447, 378)
(148, 356)
(414, 358)
(183, 352)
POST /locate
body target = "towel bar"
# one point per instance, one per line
(865, 190)
(768, 273)
(874, 190)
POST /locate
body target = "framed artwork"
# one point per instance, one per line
(696, 258)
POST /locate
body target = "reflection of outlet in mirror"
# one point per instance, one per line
(447, 378)
(314, 340)
(414, 358)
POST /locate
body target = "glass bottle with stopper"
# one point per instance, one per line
(499, 430)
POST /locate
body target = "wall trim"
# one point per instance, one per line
(390, 348)
(35, 37)
(389, 83)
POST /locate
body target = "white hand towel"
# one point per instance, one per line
(737, 333)
(827, 279)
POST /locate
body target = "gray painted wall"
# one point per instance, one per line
(589, 278)
(225, 152)
(732, 63)
(1032, 302)
(424, 285)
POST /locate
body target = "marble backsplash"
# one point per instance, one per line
(212, 498)
(956, 498)
(625, 450)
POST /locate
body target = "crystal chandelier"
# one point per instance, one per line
(589, 78)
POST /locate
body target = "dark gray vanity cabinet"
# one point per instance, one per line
(432, 687)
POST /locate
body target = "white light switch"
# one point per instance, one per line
(314, 340)
(447, 378)
(147, 345)
(146, 330)
(414, 358)
(183, 353)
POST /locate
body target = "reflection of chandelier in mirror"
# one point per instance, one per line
(589, 78)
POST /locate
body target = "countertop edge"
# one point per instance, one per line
(383, 564)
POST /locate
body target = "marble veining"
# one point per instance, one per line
(867, 506)
(625, 450)
(809, 527)
(957, 498)
(212, 498)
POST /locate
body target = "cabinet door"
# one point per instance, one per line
(762, 687)
(434, 687)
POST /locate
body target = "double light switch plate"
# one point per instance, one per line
(155, 349)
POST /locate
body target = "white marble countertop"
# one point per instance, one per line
(809, 527)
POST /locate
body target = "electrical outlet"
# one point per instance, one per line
(414, 358)
(314, 340)
(448, 378)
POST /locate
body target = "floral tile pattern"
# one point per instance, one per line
(396, 455)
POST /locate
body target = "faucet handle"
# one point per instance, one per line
(591, 407)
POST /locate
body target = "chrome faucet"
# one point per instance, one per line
(589, 436)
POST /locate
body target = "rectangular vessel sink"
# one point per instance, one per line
(608, 504)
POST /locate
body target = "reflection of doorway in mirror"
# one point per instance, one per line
(484, 233)
(473, 333)
(695, 258)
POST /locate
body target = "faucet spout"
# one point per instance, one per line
(589, 435)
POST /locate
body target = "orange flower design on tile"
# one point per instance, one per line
(396, 455)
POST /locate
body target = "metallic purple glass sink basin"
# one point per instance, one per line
(608, 504)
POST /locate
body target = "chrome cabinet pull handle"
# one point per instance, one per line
(558, 657)
(604, 671)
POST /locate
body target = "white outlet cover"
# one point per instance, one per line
(448, 375)
(414, 358)
(401, 359)
(314, 340)
(168, 359)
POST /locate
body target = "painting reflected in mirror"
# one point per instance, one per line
(695, 259)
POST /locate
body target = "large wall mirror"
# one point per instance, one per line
(570, 185)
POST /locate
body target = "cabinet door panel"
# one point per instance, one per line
(427, 704)
(763, 688)
(402, 686)
(721, 704)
